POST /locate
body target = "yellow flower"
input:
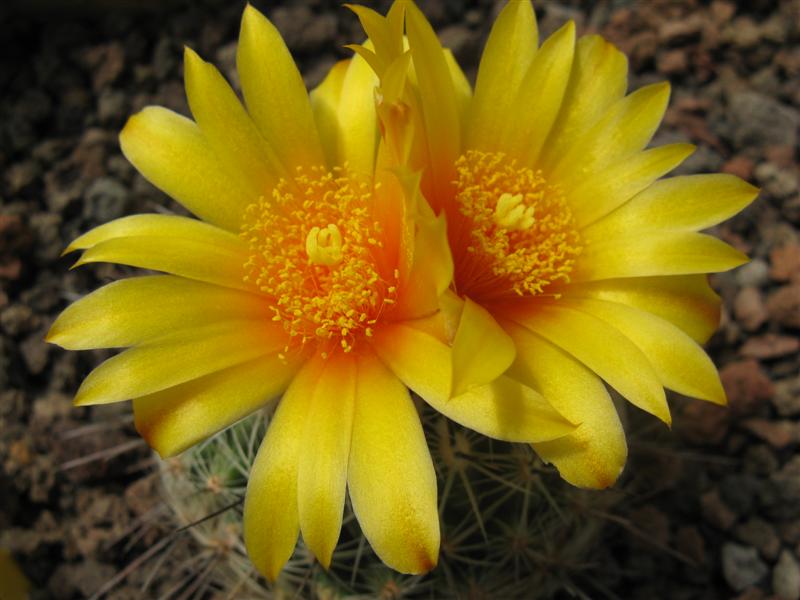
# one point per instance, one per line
(591, 268)
(313, 274)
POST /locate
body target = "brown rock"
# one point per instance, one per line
(741, 166)
(784, 305)
(749, 308)
(672, 62)
(681, 31)
(760, 534)
(746, 385)
(703, 423)
(716, 512)
(787, 397)
(770, 345)
(777, 434)
(785, 262)
(691, 544)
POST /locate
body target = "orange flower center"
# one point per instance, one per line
(315, 254)
(517, 235)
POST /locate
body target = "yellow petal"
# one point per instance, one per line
(540, 96)
(686, 203)
(176, 358)
(171, 153)
(324, 103)
(504, 409)
(275, 94)
(656, 253)
(271, 520)
(439, 105)
(598, 195)
(599, 79)
(322, 471)
(482, 350)
(626, 128)
(228, 128)
(391, 478)
(175, 419)
(13, 583)
(382, 31)
(594, 454)
(176, 245)
(461, 87)
(603, 349)
(135, 310)
(686, 301)
(680, 363)
(508, 54)
(155, 225)
(358, 121)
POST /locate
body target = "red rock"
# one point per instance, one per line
(741, 166)
(746, 385)
(782, 156)
(777, 434)
(749, 308)
(784, 305)
(770, 345)
(785, 262)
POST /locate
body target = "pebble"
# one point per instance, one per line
(747, 386)
(715, 511)
(777, 434)
(760, 534)
(770, 345)
(785, 262)
(106, 199)
(784, 305)
(753, 274)
(759, 120)
(786, 577)
(777, 182)
(741, 566)
(786, 399)
(749, 308)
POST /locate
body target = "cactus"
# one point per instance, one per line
(510, 527)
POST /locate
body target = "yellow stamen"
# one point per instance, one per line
(520, 235)
(322, 283)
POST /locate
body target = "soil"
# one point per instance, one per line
(712, 509)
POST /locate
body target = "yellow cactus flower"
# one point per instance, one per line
(591, 266)
(313, 274)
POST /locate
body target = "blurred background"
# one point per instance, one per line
(709, 510)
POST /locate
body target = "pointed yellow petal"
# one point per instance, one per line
(461, 86)
(594, 454)
(358, 121)
(176, 245)
(171, 153)
(184, 257)
(387, 40)
(598, 195)
(156, 226)
(686, 203)
(504, 409)
(540, 96)
(626, 128)
(179, 417)
(324, 103)
(686, 301)
(274, 92)
(656, 253)
(322, 471)
(228, 128)
(599, 79)
(603, 349)
(680, 363)
(391, 478)
(135, 310)
(271, 521)
(439, 105)
(482, 350)
(508, 54)
(176, 358)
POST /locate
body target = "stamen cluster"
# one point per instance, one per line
(315, 247)
(520, 235)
